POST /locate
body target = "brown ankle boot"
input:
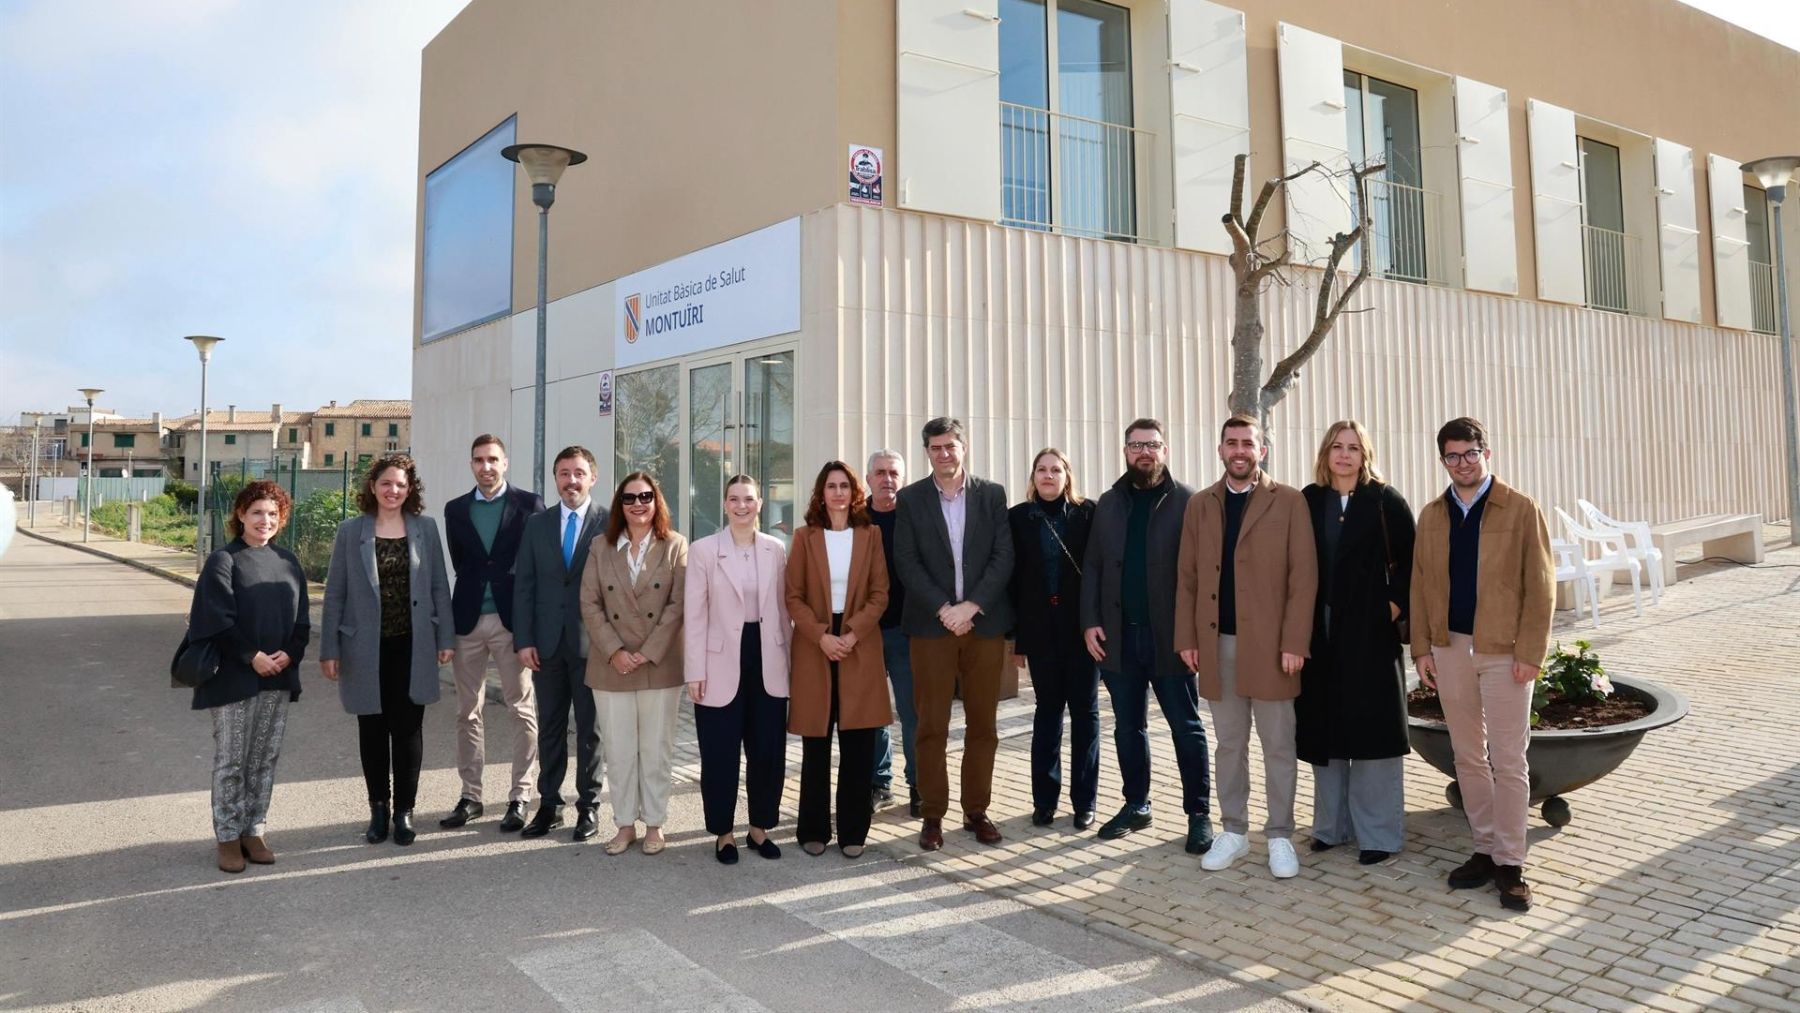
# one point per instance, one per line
(231, 857)
(257, 850)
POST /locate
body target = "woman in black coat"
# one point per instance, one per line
(1050, 534)
(1351, 714)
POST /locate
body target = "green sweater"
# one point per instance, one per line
(485, 515)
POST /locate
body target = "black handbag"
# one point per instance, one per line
(194, 662)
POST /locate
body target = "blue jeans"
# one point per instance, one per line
(1179, 698)
(1068, 682)
(898, 655)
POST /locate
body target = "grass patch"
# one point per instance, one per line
(165, 523)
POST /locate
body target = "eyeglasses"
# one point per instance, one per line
(628, 498)
(1139, 446)
(1466, 457)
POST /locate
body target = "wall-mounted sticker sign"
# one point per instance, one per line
(606, 393)
(865, 175)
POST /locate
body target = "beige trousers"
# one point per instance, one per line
(1489, 716)
(491, 640)
(1232, 717)
(637, 734)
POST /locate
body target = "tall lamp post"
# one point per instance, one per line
(544, 165)
(37, 425)
(87, 520)
(203, 343)
(1773, 173)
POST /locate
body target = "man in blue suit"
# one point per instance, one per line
(547, 631)
(484, 527)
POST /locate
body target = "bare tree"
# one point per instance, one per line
(1256, 262)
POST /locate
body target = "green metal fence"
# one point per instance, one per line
(323, 498)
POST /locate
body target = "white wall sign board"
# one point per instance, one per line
(739, 290)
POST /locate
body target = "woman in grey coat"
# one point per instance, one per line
(385, 631)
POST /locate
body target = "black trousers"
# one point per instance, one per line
(560, 685)
(856, 768)
(1065, 682)
(753, 725)
(396, 734)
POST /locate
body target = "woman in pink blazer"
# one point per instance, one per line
(736, 668)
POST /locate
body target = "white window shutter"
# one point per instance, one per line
(1312, 130)
(1678, 238)
(1731, 248)
(1556, 202)
(1209, 99)
(948, 120)
(1484, 170)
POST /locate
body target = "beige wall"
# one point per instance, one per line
(701, 121)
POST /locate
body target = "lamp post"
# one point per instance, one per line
(544, 165)
(1773, 173)
(203, 343)
(37, 425)
(87, 519)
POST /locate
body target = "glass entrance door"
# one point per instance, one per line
(695, 424)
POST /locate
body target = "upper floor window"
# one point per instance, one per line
(123, 441)
(231, 439)
(1068, 151)
(1606, 248)
(393, 429)
(293, 435)
(331, 429)
(1382, 123)
(365, 429)
(1762, 261)
(467, 272)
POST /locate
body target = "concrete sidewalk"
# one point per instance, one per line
(175, 564)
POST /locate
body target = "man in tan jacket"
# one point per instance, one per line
(1248, 573)
(1483, 591)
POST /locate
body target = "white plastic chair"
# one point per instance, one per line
(1613, 557)
(1637, 543)
(1571, 567)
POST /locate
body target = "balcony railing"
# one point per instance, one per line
(1071, 174)
(1762, 297)
(1407, 222)
(1613, 261)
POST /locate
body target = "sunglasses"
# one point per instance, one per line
(628, 498)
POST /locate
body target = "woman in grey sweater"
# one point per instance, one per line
(251, 603)
(387, 629)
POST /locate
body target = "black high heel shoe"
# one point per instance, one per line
(403, 828)
(378, 823)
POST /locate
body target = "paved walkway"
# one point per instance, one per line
(1677, 886)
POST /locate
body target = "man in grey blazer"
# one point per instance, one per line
(954, 556)
(550, 640)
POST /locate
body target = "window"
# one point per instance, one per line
(1603, 240)
(1382, 122)
(84, 439)
(468, 247)
(124, 441)
(330, 459)
(1068, 152)
(393, 429)
(365, 429)
(331, 429)
(231, 439)
(293, 435)
(1762, 261)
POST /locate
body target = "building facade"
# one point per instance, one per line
(1009, 211)
(358, 432)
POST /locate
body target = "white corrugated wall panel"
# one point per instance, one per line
(1069, 339)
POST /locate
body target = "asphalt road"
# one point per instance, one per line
(109, 898)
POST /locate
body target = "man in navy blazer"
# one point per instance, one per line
(548, 633)
(484, 527)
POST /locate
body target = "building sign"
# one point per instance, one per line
(606, 392)
(865, 175)
(739, 290)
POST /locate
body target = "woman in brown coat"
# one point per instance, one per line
(631, 606)
(837, 589)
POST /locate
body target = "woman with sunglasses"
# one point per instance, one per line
(631, 604)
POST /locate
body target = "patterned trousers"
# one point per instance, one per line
(246, 743)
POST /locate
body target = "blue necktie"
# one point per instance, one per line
(569, 531)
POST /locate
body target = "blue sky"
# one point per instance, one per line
(235, 167)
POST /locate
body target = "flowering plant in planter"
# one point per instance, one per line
(1573, 678)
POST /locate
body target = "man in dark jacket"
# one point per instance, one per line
(1128, 613)
(483, 527)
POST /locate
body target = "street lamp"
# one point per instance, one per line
(203, 343)
(87, 520)
(37, 425)
(1773, 173)
(544, 165)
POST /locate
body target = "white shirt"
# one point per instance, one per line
(562, 523)
(635, 554)
(837, 554)
(1470, 505)
(499, 493)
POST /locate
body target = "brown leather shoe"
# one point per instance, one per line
(231, 857)
(257, 850)
(982, 827)
(1477, 871)
(1515, 895)
(931, 835)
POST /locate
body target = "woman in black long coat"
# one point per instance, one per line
(1351, 714)
(1050, 534)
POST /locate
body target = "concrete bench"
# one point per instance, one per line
(1732, 536)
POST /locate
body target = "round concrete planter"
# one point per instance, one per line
(1562, 761)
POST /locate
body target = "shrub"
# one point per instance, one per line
(186, 494)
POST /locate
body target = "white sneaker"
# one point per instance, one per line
(1226, 849)
(1283, 863)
